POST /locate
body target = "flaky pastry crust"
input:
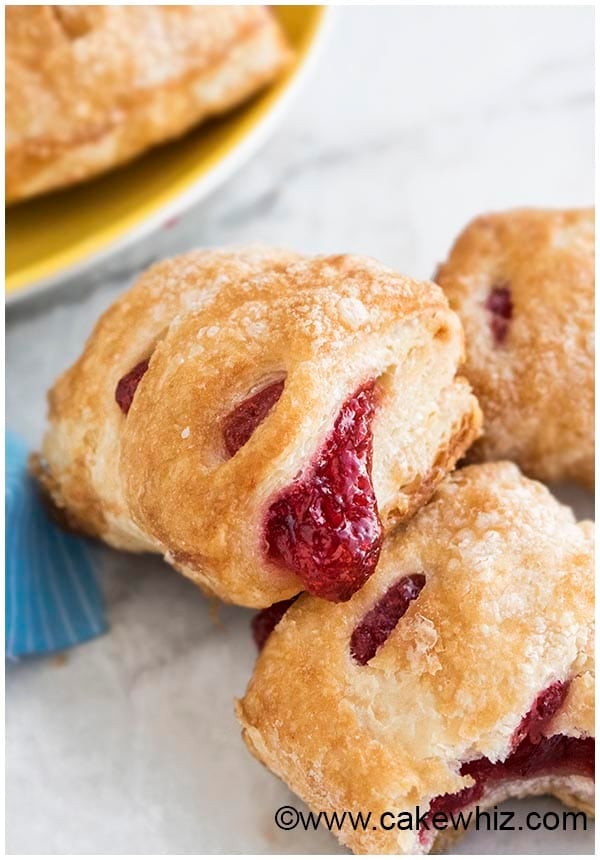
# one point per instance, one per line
(505, 612)
(216, 326)
(90, 87)
(535, 383)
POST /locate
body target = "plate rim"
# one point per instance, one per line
(197, 190)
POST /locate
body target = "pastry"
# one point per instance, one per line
(261, 418)
(459, 675)
(523, 285)
(90, 87)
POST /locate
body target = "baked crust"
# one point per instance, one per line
(506, 611)
(90, 87)
(216, 326)
(536, 388)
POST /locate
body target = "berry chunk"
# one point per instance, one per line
(368, 637)
(242, 421)
(325, 526)
(127, 385)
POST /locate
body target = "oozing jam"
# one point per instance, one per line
(241, 423)
(499, 304)
(127, 385)
(325, 526)
(368, 637)
(265, 621)
(532, 755)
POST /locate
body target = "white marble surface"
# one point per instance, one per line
(415, 120)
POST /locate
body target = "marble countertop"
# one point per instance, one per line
(414, 120)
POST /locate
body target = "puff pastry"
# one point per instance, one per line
(90, 87)
(460, 674)
(261, 418)
(522, 283)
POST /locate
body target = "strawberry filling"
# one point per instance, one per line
(499, 304)
(368, 637)
(241, 423)
(325, 526)
(127, 385)
(546, 705)
(532, 755)
(265, 621)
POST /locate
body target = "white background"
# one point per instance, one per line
(415, 120)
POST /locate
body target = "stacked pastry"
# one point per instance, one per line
(91, 87)
(284, 430)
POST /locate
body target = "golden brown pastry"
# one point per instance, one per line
(460, 674)
(522, 283)
(90, 87)
(261, 418)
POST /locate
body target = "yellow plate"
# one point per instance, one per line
(63, 233)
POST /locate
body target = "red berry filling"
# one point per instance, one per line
(545, 706)
(265, 621)
(127, 385)
(532, 755)
(325, 526)
(241, 423)
(368, 637)
(560, 754)
(499, 304)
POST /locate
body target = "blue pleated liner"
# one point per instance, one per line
(53, 600)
